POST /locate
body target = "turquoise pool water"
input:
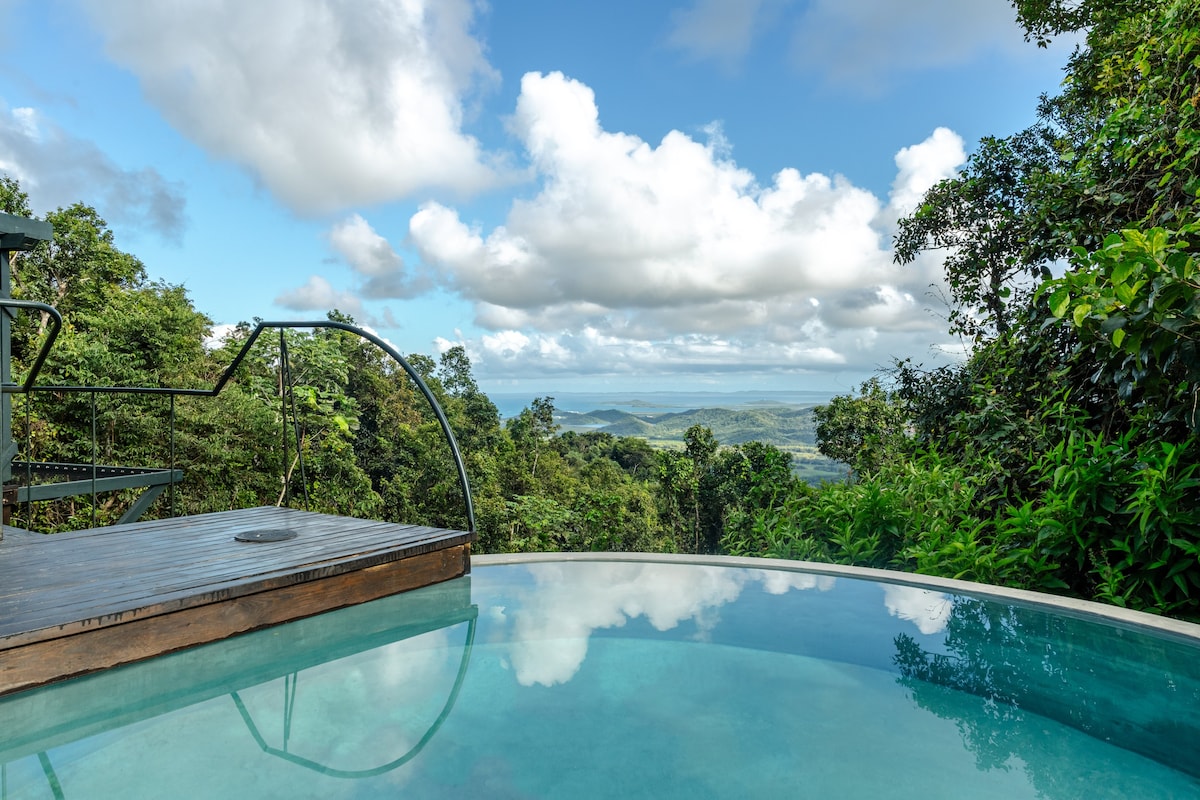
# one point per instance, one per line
(595, 678)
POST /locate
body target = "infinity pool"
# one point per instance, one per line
(588, 677)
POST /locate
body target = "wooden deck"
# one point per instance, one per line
(74, 603)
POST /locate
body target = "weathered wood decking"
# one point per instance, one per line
(77, 602)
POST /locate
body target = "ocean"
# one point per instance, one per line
(511, 404)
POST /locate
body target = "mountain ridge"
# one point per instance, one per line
(783, 426)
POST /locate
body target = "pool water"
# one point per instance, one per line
(597, 678)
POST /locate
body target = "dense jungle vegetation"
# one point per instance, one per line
(1062, 455)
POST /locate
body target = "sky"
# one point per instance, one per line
(681, 195)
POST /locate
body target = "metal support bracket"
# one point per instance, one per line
(84, 479)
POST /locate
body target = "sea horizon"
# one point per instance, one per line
(510, 404)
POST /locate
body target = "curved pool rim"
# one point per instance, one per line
(813, 693)
(1067, 606)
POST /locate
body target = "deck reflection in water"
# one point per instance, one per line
(349, 694)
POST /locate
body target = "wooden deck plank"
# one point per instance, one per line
(43, 661)
(179, 563)
(207, 559)
(78, 551)
(166, 567)
(63, 592)
(198, 533)
(123, 598)
(102, 577)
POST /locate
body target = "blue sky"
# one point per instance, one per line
(691, 195)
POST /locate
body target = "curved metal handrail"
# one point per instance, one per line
(399, 359)
(44, 351)
(371, 772)
(29, 386)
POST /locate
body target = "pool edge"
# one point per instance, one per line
(1071, 606)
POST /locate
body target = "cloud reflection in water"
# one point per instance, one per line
(926, 609)
(551, 628)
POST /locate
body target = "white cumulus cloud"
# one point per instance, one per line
(921, 166)
(318, 294)
(373, 257)
(363, 249)
(635, 258)
(330, 103)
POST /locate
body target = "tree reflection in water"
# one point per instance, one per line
(1137, 689)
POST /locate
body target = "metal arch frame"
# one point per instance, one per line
(29, 384)
(464, 483)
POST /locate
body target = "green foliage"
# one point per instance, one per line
(1045, 19)
(1125, 520)
(1134, 87)
(1137, 301)
(925, 515)
(859, 431)
(1073, 423)
(80, 269)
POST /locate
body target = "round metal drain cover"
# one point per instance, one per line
(266, 535)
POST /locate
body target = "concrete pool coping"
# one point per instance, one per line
(1068, 606)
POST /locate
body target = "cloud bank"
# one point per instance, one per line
(634, 258)
(329, 103)
(623, 257)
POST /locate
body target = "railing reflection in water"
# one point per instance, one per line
(379, 640)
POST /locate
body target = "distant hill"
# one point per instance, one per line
(782, 426)
(779, 426)
(790, 428)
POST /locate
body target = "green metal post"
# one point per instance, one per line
(16, 233)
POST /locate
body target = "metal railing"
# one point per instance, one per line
(29, 385)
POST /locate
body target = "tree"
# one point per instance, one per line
(478, 419)
(692, 491)
(454, 370)
(532, 429)
(995, 252)
(1132, 297)
(13, 200)
(78, 270)
(1045, 19)
(860, 431)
